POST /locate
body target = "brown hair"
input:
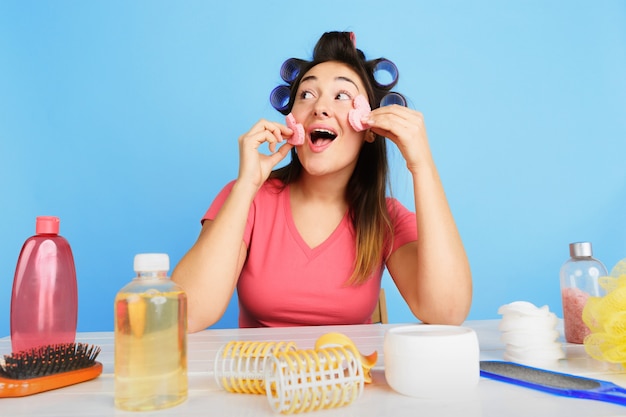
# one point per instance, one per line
(366, 190)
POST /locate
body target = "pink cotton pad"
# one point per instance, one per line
(298, 131)
(361, 109)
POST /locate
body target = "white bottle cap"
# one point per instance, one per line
(152, 262)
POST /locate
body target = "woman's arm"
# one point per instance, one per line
(433, 273)
(210, 269)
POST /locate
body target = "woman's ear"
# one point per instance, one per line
(370, 136)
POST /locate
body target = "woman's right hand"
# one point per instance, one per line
(254, 165)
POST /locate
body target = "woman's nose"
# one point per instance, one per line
(321, 109)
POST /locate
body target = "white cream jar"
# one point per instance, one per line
(431, 361)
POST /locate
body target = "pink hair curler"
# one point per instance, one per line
(298, 131)
(361, 109)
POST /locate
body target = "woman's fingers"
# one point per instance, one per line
(403, 126)
(395, 121)
(266, 131)
(254, 164)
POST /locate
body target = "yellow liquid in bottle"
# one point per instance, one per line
(150, 350)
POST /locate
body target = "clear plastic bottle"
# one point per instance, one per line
(150, 338)
(44, 300)
(579, 281)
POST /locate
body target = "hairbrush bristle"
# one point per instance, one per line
(48, 360)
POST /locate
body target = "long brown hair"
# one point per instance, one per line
(367, 187)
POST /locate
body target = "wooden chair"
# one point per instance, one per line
(380, 313)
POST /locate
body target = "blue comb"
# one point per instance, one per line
(553, 382)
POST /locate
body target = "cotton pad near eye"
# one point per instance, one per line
(298, 131)
(361, 109)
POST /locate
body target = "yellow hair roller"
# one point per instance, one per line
(313, 379)
(240, 366)
(339, 339)
(296, 380)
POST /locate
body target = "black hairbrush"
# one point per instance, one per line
(553, 382)
(47, 367)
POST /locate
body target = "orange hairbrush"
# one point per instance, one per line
(46, 368)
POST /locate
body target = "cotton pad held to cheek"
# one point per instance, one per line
(361, 109)
(298, 131)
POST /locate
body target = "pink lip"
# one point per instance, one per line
(319, 148)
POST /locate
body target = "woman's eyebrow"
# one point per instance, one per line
(308, 78)
(340, 78)
(348, 80)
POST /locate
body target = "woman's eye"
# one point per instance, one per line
(306, 94)
(344, 96)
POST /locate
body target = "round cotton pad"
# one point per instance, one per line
(298, 131)
(361, 109)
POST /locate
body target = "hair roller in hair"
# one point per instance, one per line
(290, 69)
(240, 366)
(393, 98)
(315, 379)
(279, 98)
(385, 73)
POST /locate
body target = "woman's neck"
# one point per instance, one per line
(323, 189)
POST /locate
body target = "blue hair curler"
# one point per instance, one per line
(279, 98)
(385, 73)
(393, 98)
(290, 69)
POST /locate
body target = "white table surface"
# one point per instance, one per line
(490, 398)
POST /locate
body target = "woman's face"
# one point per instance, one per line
(322, 103)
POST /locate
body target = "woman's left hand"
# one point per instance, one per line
(405, 127)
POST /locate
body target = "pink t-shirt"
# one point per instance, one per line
(284, 282)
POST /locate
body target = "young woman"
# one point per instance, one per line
(306, 244)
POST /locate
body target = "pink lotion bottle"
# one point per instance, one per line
(44, 301)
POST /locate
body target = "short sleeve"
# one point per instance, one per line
(404, 224)
(217, 204)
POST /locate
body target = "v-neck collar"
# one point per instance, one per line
(310, 252)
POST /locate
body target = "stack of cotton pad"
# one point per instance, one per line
(529, 333)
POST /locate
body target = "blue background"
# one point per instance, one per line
(122, 118)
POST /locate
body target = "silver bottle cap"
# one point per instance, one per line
(580, 249)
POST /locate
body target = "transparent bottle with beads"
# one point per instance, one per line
(579, 281)
(150, 338)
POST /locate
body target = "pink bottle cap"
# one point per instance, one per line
(47, 225)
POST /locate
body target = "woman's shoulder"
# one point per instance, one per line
(395, 204)
(398, 212)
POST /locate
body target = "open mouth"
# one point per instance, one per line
(321, 137)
